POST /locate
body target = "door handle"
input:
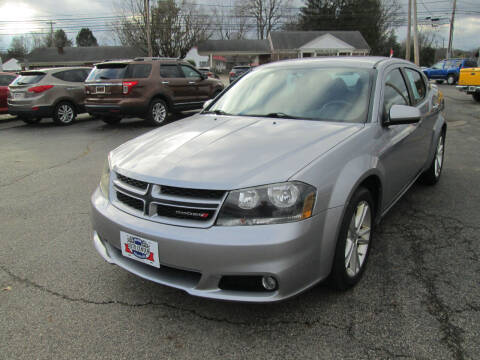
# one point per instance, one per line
(165, 82)
(192, 82)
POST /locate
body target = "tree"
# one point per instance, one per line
(60, 39)
(86, 38)
(231, 23)
(267, 14)
(373, 18)
(18, 48)
(175, 26)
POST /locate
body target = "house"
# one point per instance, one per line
(11, 65)
(77, 56)
(287, 45)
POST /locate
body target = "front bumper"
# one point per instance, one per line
(297, 254)
(468, 89)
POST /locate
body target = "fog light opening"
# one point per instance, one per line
(269, 283)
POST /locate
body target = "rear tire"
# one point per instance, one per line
(451, 79)
(29, 120)
(111, 120)
(476, 96)
(157, 113)
(432, 174)
(64, 113)
(354, 241)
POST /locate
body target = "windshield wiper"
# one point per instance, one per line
(279, 115)
(216, 112)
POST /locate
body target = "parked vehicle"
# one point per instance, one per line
(469, 81)
(238, 71)
(148, 88)
(448, 70)
(206, 71)
(57, 93)
(277, 184)
(5, 80)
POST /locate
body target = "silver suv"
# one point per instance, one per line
(57, 93)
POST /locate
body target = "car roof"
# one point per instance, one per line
(52, 70)
(368, 62)
(7, 73)
(145, 60)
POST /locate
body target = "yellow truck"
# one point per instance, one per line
(469, 81)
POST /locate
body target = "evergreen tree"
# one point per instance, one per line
(85, 37)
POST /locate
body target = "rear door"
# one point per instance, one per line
(73, 84)
(198, 87)
(19, 87)
(104, 83)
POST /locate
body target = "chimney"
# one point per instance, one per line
(60, 50)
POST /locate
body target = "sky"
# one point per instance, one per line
(24, 16)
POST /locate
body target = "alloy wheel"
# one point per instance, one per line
(439, 157)
(358, 239)
(159, 113)
(65, 113)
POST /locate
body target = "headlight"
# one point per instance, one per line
(269, 204)
(105, 179)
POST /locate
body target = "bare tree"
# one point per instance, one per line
(175, 26)
(267, 14)
(231, 23)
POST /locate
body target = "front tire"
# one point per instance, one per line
(64, 113)
(432, 174)
(451, 79)
(476, 96)
(354, 241)
(157, 113)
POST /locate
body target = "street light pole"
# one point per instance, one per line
(409, 29)
(450, 39)
(416, 53)
(147, 25)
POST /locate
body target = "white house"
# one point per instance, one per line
(11, 65)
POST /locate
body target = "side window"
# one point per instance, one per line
(138, 71)
(60, 75)
(5, 80)
(190, 72)
(395, 91)
(170, 71)
(416, 83)
(438, 66)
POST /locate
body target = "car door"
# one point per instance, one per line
(172, 78)
(73, 86)
(400, 146)
(436, 71)
(199, 87)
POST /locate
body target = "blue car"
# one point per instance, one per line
(448, 70)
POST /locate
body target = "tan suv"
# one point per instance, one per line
(146, 87)
(57, 93)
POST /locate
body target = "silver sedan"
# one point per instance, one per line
(277, 184)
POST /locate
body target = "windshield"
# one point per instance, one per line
(321, 93)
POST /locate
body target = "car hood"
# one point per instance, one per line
(227, 152)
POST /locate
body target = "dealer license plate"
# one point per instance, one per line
(100, 90)
(140, 249)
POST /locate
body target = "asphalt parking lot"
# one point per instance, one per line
(419, 298)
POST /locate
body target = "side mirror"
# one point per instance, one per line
(403, 114)
(207, 103)
(204, 76)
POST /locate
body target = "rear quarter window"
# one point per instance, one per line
(138, 71)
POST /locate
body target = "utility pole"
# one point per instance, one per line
(409, 35)
(416, 53)
(149, 40)
(450, 39)
(51, 32)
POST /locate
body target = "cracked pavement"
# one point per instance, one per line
(419, 298)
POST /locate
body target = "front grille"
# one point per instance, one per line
(130, 201)
(192, 193)
(185, 213)
(132, 182)
(167, 204)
